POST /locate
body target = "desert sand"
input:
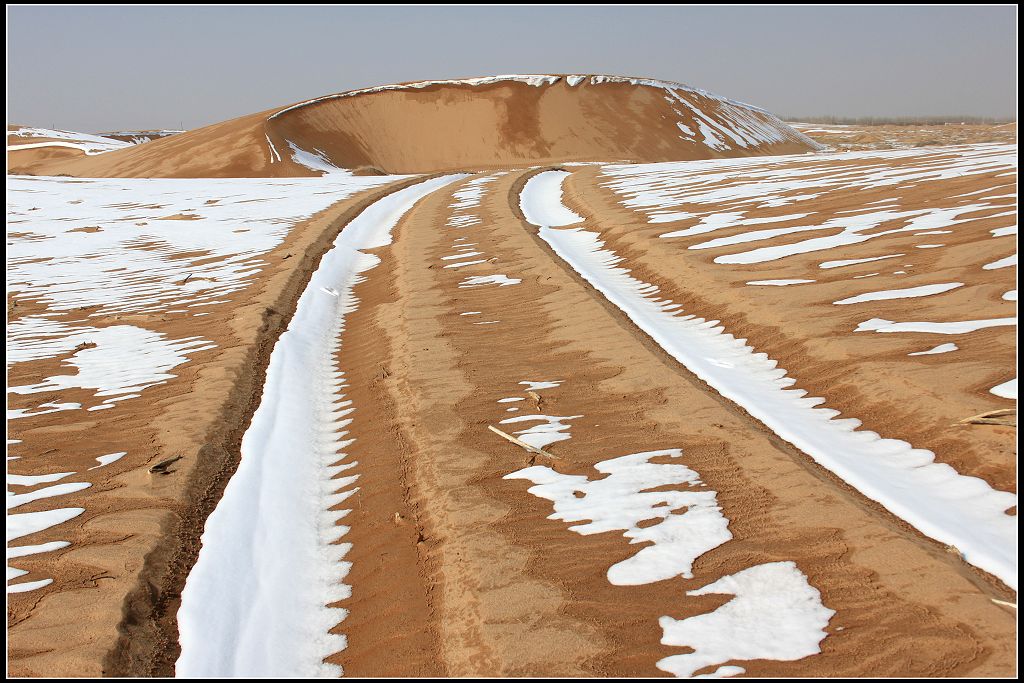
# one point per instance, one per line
(644, 284)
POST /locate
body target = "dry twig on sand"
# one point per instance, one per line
(521, 444)
(161, 467)
(1006, 417)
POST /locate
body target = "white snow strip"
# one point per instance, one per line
(1006, 389)
(256, 601)
(906, 293)
(27, 585)
(274, 155)
(779, 283)
(25, 523)
(956, 510)
(537, 386)
(717, 221)
(941, 348)
(483, 280)
(852, 261)
(314, 161)
(52, 406)
(776, 614)
(1001, 263)
(709, 223)
(23, 550)
(104, 460)
(463, 221)
(16, 499)
(465, 263)
(35, 479)
(960, 327)
(541, 200)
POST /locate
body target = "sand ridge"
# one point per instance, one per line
(459, 125)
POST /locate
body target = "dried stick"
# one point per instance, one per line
(521, 444)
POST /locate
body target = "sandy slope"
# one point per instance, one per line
(458, 125)
(856, 137)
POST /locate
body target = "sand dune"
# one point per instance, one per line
(29, 149)
(463, 124)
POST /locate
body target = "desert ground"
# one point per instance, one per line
(546, 375)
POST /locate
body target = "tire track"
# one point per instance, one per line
(985, 581)
(147, 642)
(513, 592)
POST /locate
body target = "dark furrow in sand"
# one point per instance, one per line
(148, 635)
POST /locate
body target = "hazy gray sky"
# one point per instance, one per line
(108, 68)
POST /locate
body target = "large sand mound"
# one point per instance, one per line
(29, 149)
(476, 123)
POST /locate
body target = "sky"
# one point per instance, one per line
(101, 69)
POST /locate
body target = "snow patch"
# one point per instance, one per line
(941, 348)
(906, 293)
(776, 614)
(622, 500)
(779, 283)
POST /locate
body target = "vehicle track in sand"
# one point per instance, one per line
(921, 399)
(461, 572)
(675, 292)
(140, 533)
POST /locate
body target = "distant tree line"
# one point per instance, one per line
(898, 120)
